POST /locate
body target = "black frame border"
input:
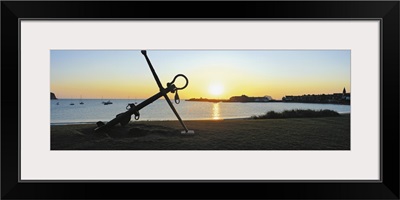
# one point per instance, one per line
(387, 11)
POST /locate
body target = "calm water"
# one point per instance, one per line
(93, 110)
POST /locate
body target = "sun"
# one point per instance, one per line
(216, 89)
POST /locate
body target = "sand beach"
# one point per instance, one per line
(325, 133)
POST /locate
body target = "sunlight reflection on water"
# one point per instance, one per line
(215, 111)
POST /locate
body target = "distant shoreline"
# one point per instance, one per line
(229, 101)
(216, 101)
(271, 101)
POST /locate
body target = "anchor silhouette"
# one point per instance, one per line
(132, 109)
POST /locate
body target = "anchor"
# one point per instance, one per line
(132, 109)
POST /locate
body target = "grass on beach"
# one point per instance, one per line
(325, 133)
(297, 114)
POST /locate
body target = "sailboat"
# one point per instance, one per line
(81, 101)
(72, 103)
(107, 102)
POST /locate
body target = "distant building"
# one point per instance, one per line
(336, 98)
(346, 96)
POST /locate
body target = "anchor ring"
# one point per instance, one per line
(181, 75)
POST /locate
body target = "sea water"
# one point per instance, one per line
(93, 110)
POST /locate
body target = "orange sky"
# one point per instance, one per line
(125, 74)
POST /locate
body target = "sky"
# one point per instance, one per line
(219, 74)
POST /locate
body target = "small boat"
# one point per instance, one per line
(81, 101)
(107, 102)
(71, 104)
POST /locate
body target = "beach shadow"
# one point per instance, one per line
(142, 130)
(133, 130)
